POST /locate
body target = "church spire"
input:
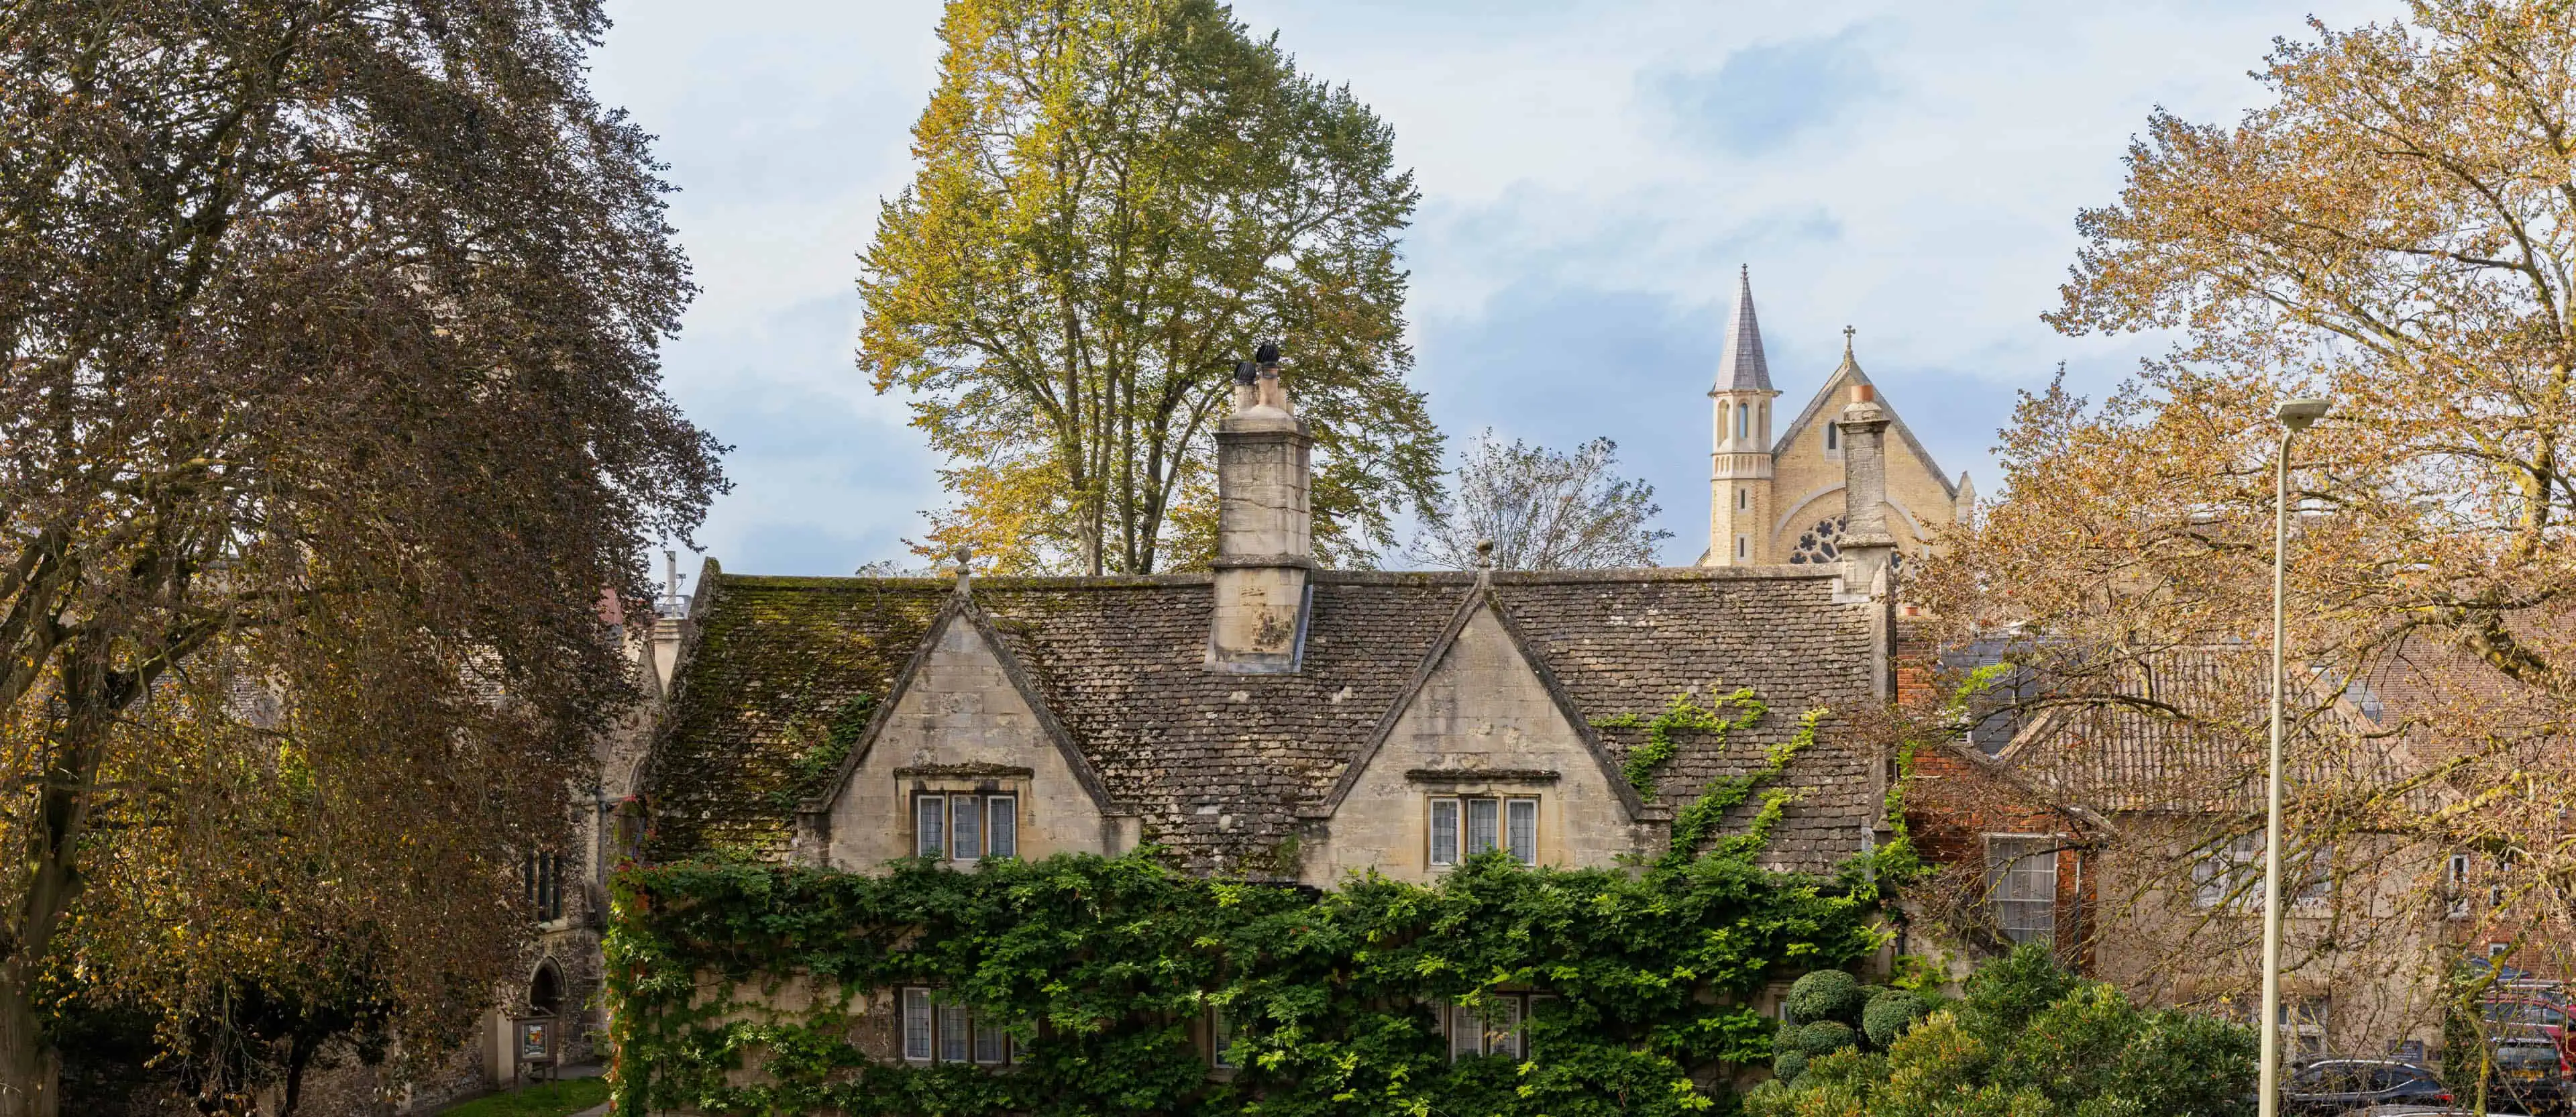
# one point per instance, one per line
(1741, 366)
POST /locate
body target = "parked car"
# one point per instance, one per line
(2529, 1017)
(2532, 1073)
(2421, 1111)
(2338, 1086)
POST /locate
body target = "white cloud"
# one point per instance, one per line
(1910, 169)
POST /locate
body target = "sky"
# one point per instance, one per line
(1592, 177)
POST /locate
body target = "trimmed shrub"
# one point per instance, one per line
(1889, 1014)
(1825, 995)
(1825, 1036)
(1789, 1066)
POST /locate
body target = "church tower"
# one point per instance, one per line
(1739, 485)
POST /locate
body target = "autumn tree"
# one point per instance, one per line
(1117, 199)
(2395, 230)
(1541, 509)
(329, 409)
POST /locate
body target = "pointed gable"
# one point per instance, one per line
(1481, 719)
(1828, 403)
(963, 719)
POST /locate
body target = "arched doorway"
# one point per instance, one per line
(545, 991)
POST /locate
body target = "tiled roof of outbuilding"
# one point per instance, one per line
(1221, 766)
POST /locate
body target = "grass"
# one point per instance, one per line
(552, 1099)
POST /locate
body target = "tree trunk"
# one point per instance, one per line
(30, 1068)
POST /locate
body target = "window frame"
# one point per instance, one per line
(1468, 1033)
(1221, 1028)
(1512, 822)
(2005, 878)
(1433, 854)
(988, 808)
(920, 1015)
(541, 882)
(1470, 843)
(1461, 812)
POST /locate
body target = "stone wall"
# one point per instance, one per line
(962, 725)
(1807, 485)
(1483, 723)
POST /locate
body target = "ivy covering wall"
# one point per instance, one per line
(1108, 966)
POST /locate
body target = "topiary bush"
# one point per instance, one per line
(2088, 1052)
(1889, 1014)
(1825, 995)
(1825, 1036)
(1789, 1066)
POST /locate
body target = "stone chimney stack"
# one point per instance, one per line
(1867, 548)
(1264, 532)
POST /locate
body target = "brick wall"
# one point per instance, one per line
(1956, 804)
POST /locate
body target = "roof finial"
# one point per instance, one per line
(1484, 559)
(965, 556)
(1847, 336)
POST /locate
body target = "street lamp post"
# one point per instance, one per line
(2295, 416)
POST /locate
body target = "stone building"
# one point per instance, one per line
(2373, 912)
(1787, 500)
(1268, 719)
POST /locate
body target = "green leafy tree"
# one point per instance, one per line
(2030, 1040)
(1116, 199)
(331, 407)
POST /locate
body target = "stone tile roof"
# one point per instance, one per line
(2186, 730)
(766, 665)
(1628, 645)
(1220, 767)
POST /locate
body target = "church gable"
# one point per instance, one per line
(963, 763)
(1807, 481)
(1483, 752)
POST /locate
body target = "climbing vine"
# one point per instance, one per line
(765, 991)
(1681, 713)
(1693, 824)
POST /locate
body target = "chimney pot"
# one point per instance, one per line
(1864, 393)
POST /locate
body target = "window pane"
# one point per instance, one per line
(2024, 874)
(1524, 831)
(966, 830)
(1221, 1037)
(1480, 825)
(1002, 834)
(992, 1043)
(1465, 1034)
(1503, 1027)
(1444, 831)
(930, 828)
(952, 1033)
(916, 1023)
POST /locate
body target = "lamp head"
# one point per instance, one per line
(2298, 414)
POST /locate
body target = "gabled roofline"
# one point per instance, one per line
(2101, 824)
(667, 707)
(1849, 373)
(1481, 596)
(961, 606)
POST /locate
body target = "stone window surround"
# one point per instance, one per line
(963, 779)
(1505, 808)
(1462, 1023)
(938, 1022)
